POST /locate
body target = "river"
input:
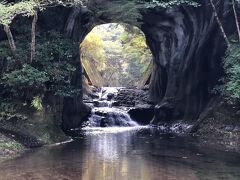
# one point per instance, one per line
(132, 153)
(113, 147)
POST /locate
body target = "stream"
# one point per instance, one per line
(111, 146)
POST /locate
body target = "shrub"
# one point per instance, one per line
(231, 82)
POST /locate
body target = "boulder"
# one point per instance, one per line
(142, 115)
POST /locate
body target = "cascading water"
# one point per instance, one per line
(104, 115)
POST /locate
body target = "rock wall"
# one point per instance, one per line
(186, 44)
(77, 26)
(187, 47)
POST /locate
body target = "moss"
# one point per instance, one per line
(12, 145)
(9, 148)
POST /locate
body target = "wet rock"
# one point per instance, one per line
(101, 113)
(145, 88)
(229, 128)
(104, 122)
(115, 103)
(110, 117)
(94, 95)
(87, 98)
(94, 89)
(142, 115)
(132, 97)
(74, 113)
(110, 96)
(238, 113)
(236, 129)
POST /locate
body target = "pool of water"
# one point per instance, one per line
(137, 153)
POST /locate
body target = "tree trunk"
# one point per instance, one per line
(236, 18)
(10, 39)
(33, 34)
(219, 23)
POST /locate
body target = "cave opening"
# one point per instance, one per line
(116, 55)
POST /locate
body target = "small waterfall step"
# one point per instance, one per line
(110, 117)
(104, 115)
(103, 103)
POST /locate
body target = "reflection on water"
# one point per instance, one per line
(111, 154)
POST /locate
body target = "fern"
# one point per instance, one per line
(37, 103)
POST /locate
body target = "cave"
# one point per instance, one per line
(186, 46)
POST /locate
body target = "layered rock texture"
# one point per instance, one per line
(187, 47)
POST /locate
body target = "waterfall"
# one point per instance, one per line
(104, 115)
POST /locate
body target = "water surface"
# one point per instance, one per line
(124, 153)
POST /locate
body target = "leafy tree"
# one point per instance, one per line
(46, 66)
(136, 53)
(230, 87)
(124, 53)
(25, 82)
(49, 73)
(92, 50)
(8, 11)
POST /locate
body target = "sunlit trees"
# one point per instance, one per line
(136, 53)
(119, 52)
(92, 50)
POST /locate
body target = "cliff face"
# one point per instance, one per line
(187, 47)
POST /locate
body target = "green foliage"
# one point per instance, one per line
(9, 110)
(55, 57)
(50, 72)
(8, 107)
(231, 82)
(128, 11)
(137, 54)
(8, 11)
(68, 90)
(26, 77)
(119, 52)
(11, 146)
(92, 49)
(37, 103)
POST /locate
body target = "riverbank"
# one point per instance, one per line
(218, 129)
(9, 148)
(221, 127)
(29, 129)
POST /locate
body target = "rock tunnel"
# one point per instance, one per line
(115, 55)
(186, 45)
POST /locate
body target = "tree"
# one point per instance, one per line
(219, 22)
(137, 55)
(8, 11)
(92, 50)
(10, 39)
(33, 34)
(230, 87)
(119, 52)
(236, 18)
